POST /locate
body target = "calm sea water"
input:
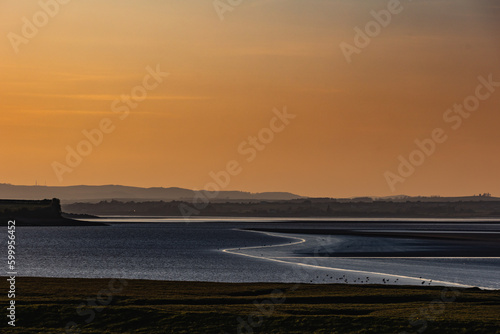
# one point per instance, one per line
(216, 250)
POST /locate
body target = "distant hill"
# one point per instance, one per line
(94, 194)
(71, 194)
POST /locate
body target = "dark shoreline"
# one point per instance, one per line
(305, 221)
(50, 222)
(45, 212)
(48, 305)
(469, 207)
(86, 220)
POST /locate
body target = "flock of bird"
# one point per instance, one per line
(358, 280)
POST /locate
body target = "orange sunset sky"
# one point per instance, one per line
(353, 120)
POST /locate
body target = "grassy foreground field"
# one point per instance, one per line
(48, 305)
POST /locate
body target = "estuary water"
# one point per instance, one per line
(223, 250)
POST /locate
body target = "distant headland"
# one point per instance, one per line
(38, 213)
(82, 201)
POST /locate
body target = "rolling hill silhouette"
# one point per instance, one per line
(70, 194)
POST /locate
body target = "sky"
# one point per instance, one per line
(290, 91)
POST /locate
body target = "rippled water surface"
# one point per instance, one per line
(217, 250)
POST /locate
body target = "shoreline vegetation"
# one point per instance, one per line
(298, 208)
(48, 212)
(48, 305)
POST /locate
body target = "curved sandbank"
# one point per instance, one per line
(308, 253)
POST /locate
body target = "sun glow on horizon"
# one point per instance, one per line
(225, 78)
